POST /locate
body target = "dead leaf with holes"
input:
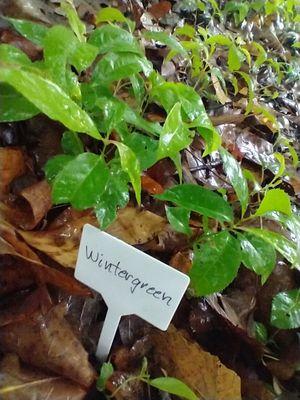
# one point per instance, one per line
(204, 373)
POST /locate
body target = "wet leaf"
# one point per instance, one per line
(71, 143)
(14, 106)
(144, 147)
(130, 164)
(81, 182)
(257, 255)
(285, 247)
(182, 358)
(236, 177)
(55, 165)
(75, 23)
(173, 386)
(30, 30)
(12, 55)
(199, 199)
(112, 38)
(50, 99)
(167, 39)
(116, 66)
(285, 313)
(179, 219)
(275, 200)
(216, 263)
(174, 136)
(110, 14)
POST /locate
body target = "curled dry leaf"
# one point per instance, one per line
(12, 165)
(133, 226)
(22, 383)
(202, 372)
(31, 205)
(20, 267)
(47, 342)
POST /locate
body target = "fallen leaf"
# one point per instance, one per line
(160, 9)
(219, 91)
(31, 205)
(133, 226)
(150, 185)
(47, 342)
(202, 372)
(12, 165)
(23, 383)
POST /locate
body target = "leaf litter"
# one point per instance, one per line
(242, 59)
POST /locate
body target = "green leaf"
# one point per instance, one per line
(116, 66)
(112, 38)
(216, 263)
(14, 106)
(78, 27)
(236, 177)
(110, 14)
(222, 40)
(50, 99)
(138, 88)
(81, 181)
(169, 93)
(174, 136)
(285, 312)
(12, 55)
(284, 246)
(114, 196)
(107, 370)
(166, 39)
(173, 386)
(82, 56)
(199, 199)
(249, 83)
(71, 143)
(235, 58)
(143, 146)
(30, 30)
(261, 56)
(179, 219)
(131, 165)
(260, 332)
(257, 255)
(275, 200)
(186, 30)
(54, 166)
(240, 10)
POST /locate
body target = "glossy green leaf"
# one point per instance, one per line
(143, 146)
(55, 165)
(275, 200)
(116, 66)
(131, 165)
(110, 14)
(81, 182)
(236, 177)
(257, 255)
(235, 58)
(50, 99)
(260, 332)
(285, 312)
(78, 27)
(138, 88)
(82, 56)
(222, 40)
(14, 106)
(112, 38)
(169, 93)
(198, 199)
(167, 39)
(179, 219)
(12, 55)
(216, 263)
(106, 371)
(173, 386)
(115, 196)
(71, 143)
(174, 136)
(30, 30)
(285, 247)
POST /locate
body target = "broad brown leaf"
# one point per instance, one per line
(12, 164)
(202, 372)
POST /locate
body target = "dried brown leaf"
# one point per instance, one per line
(202, 372)
(12, 164)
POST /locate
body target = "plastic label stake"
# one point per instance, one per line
(130, 282)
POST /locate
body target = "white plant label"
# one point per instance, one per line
(130, 282)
